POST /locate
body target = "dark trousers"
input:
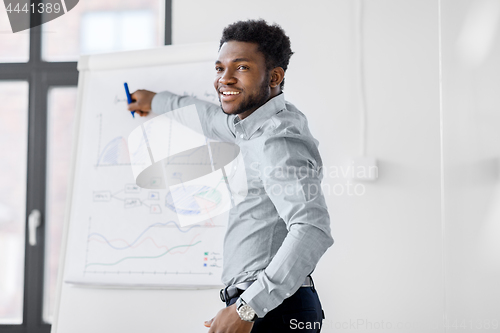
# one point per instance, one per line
(301, 312)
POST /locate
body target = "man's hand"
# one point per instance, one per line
(141, 102)
(228, 321)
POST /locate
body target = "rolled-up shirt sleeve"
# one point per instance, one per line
(215, 123)
(291, 173)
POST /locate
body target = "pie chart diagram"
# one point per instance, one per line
(193, 199)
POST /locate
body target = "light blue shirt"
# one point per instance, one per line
(277, 234)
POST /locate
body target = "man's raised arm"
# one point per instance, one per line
(215, 123)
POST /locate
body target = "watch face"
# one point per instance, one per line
(246, 312)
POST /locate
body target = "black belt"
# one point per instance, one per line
(237, 289)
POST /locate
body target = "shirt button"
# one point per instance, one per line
(287, 294)
(265, 310)
(242, 136)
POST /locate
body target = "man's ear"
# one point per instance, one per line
(276, 77)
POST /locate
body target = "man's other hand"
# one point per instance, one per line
(228, 321)
(141, 102)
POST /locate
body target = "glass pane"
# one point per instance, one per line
(14, 131)
(14, 47)
(61, 113)
(95, 26)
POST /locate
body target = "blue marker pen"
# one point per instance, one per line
(129, 98)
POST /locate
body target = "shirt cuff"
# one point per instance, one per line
(257, 297)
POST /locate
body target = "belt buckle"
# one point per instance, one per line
(223, 294)
(308, 282)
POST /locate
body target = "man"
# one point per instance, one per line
(277, 234)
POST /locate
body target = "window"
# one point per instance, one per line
(38, 79)
(14, 130)
(96, 26)
(60, 122)
(15, 47)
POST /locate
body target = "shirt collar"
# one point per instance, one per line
(256, 119)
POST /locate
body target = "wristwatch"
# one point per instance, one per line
(245, 311)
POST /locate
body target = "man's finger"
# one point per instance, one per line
(209, 322)
(133, 106)
(136, 97)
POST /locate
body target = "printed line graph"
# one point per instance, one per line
(129, 245)
(158, 244)
(141, 257)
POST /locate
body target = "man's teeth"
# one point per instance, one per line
(230, 92)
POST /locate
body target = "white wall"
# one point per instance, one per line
(471, 99)
(386, 264)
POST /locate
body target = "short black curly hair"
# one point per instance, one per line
(272, 41)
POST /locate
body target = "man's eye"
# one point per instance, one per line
(242, 67)
(218, 69)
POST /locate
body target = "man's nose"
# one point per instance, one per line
(227, 78)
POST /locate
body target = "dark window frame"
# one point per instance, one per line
(41, 76)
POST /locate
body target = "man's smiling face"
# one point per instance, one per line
(242, 80)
